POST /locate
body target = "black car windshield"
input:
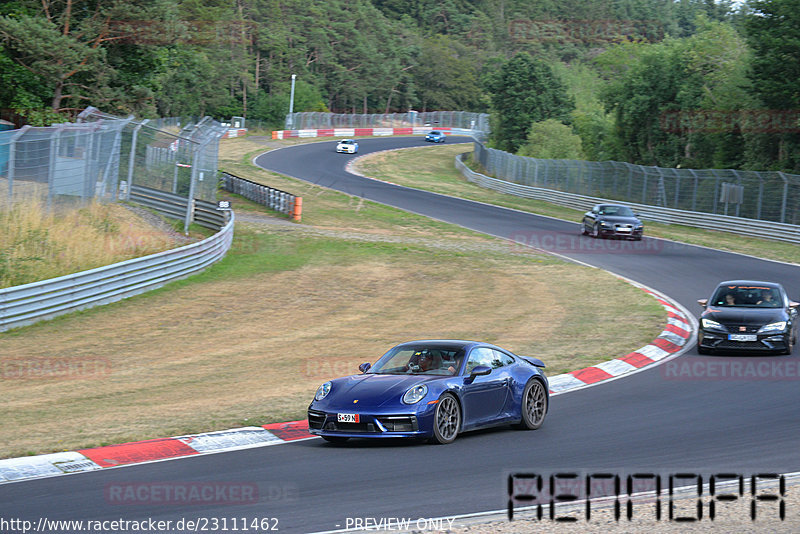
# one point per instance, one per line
(747, 296)
(616, 211)
(420, 359)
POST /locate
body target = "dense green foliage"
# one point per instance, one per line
(636, 80)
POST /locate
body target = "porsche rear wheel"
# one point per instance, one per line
(534, 405)
(446, 420)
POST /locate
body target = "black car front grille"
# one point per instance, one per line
(399, 423)
(351, 427)
(725, 344)
(742, 329)
(316, 420)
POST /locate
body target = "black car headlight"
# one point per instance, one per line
(711, 325)
(772, 328)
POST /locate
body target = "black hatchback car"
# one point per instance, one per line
(745, 315)
(612, 220)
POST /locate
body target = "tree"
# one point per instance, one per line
(524, 91)
(551, 139)
(447, 76)
(773, 33)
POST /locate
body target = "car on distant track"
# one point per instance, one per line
(612, 220)
(747, 315)
(434, 390)
(347, 146)
(436, 137)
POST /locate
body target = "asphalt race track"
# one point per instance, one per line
(657, 420)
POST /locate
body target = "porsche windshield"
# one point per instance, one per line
(420, 359)
(747, 296)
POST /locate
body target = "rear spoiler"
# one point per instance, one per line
(533, 361)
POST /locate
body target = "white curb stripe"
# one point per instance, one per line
(616, 367)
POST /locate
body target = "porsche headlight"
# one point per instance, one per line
(780, 326)
(415, 394)
(708, 323)
(323, 391)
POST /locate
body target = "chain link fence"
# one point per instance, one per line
(101, 156)
(764, 195)
(434, 119)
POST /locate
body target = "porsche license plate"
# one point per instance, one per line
(742, 337)
(347, 417)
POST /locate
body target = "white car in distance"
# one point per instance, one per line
(347, 146)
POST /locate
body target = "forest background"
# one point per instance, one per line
(687, 83)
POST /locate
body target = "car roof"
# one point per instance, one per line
(460, 343)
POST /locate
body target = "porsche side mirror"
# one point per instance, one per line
(364, 367)
(703, 302)
(480, 370)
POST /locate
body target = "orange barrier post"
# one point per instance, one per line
(298, 208)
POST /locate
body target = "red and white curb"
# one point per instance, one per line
(670, 342)
(673, 339)
(83, 460)
(365, 132)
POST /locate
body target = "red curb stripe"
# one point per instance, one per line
(677, 330)
(668, 346)
(289, 431)
(138, 451)
(681, 318)
(590, 375)
(637, 360)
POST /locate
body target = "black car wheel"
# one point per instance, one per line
(584, 231)
(596, 230)
(534, 405)
(703, 350)
(335, 439)
(446, 420)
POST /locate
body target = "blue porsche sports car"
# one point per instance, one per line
(433, 390)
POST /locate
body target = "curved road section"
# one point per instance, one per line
(687, 415)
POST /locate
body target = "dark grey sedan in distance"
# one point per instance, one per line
(745, 315)
(612, 220)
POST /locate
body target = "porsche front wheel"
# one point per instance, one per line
(446, 420)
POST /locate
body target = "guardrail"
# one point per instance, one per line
(274, 199)
(708, 221)
(29, 303)
(204, 213)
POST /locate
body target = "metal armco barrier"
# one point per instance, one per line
(29, 303)
(274, 199)
(708, 221)
(205, 213)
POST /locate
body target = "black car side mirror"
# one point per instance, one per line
(364, 367)
(703, 302)
(480, 370)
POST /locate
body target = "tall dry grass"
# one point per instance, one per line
(37, 243)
